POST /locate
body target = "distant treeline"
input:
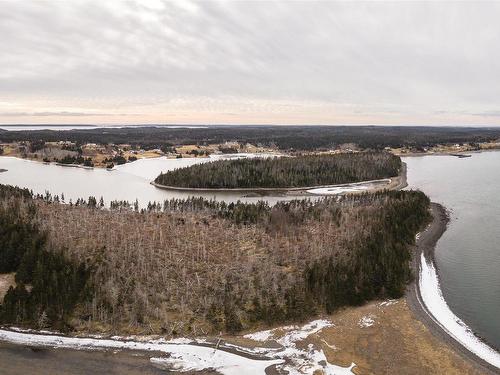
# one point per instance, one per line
(195, 266)
(74, 160)
(285, 172)
(283, 137)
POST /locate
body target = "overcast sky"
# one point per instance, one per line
(206, 62)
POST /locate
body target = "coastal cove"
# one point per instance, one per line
(466, 256)
(129, 182)
(132, 181)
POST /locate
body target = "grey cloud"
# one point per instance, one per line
(406, 58)
(488, 114)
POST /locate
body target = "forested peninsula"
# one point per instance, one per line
(196, 266)
(284, 172)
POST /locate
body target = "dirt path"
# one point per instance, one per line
(426, 243)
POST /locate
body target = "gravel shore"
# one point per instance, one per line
(426, 244)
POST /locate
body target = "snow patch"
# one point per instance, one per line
(260, 336)
(333, 347)
(349, 188)
(367, 321)
(311, 360)
(185, 355)
(295, 333)
(335, 190)
(303, 332)
(199, 359)
(435, 303)
(389, 302)
(28, 330)
(181, 357)
(306, 361)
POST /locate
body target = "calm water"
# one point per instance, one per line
(127, 182)
(468, 254)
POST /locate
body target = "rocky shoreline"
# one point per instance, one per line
(425, 244)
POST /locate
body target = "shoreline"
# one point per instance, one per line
(425, 245)
(208, 158)
(446, 153)
(269, 190)
(72, 165)
(392, 183)
(59, 164)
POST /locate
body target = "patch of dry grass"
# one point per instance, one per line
(396, 343)
(381, 338)
(6, 281)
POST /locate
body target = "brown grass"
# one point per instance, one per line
(396, 343)
(6, 281)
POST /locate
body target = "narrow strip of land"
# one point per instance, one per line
(426, 244)
(388, 182)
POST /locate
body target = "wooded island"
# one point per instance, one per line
(285, 172)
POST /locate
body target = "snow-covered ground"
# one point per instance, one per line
(437, 306)
(184, 355)
(367, 321)
(337, 190)
(349, 188)
(389, 302)
(301, 360)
